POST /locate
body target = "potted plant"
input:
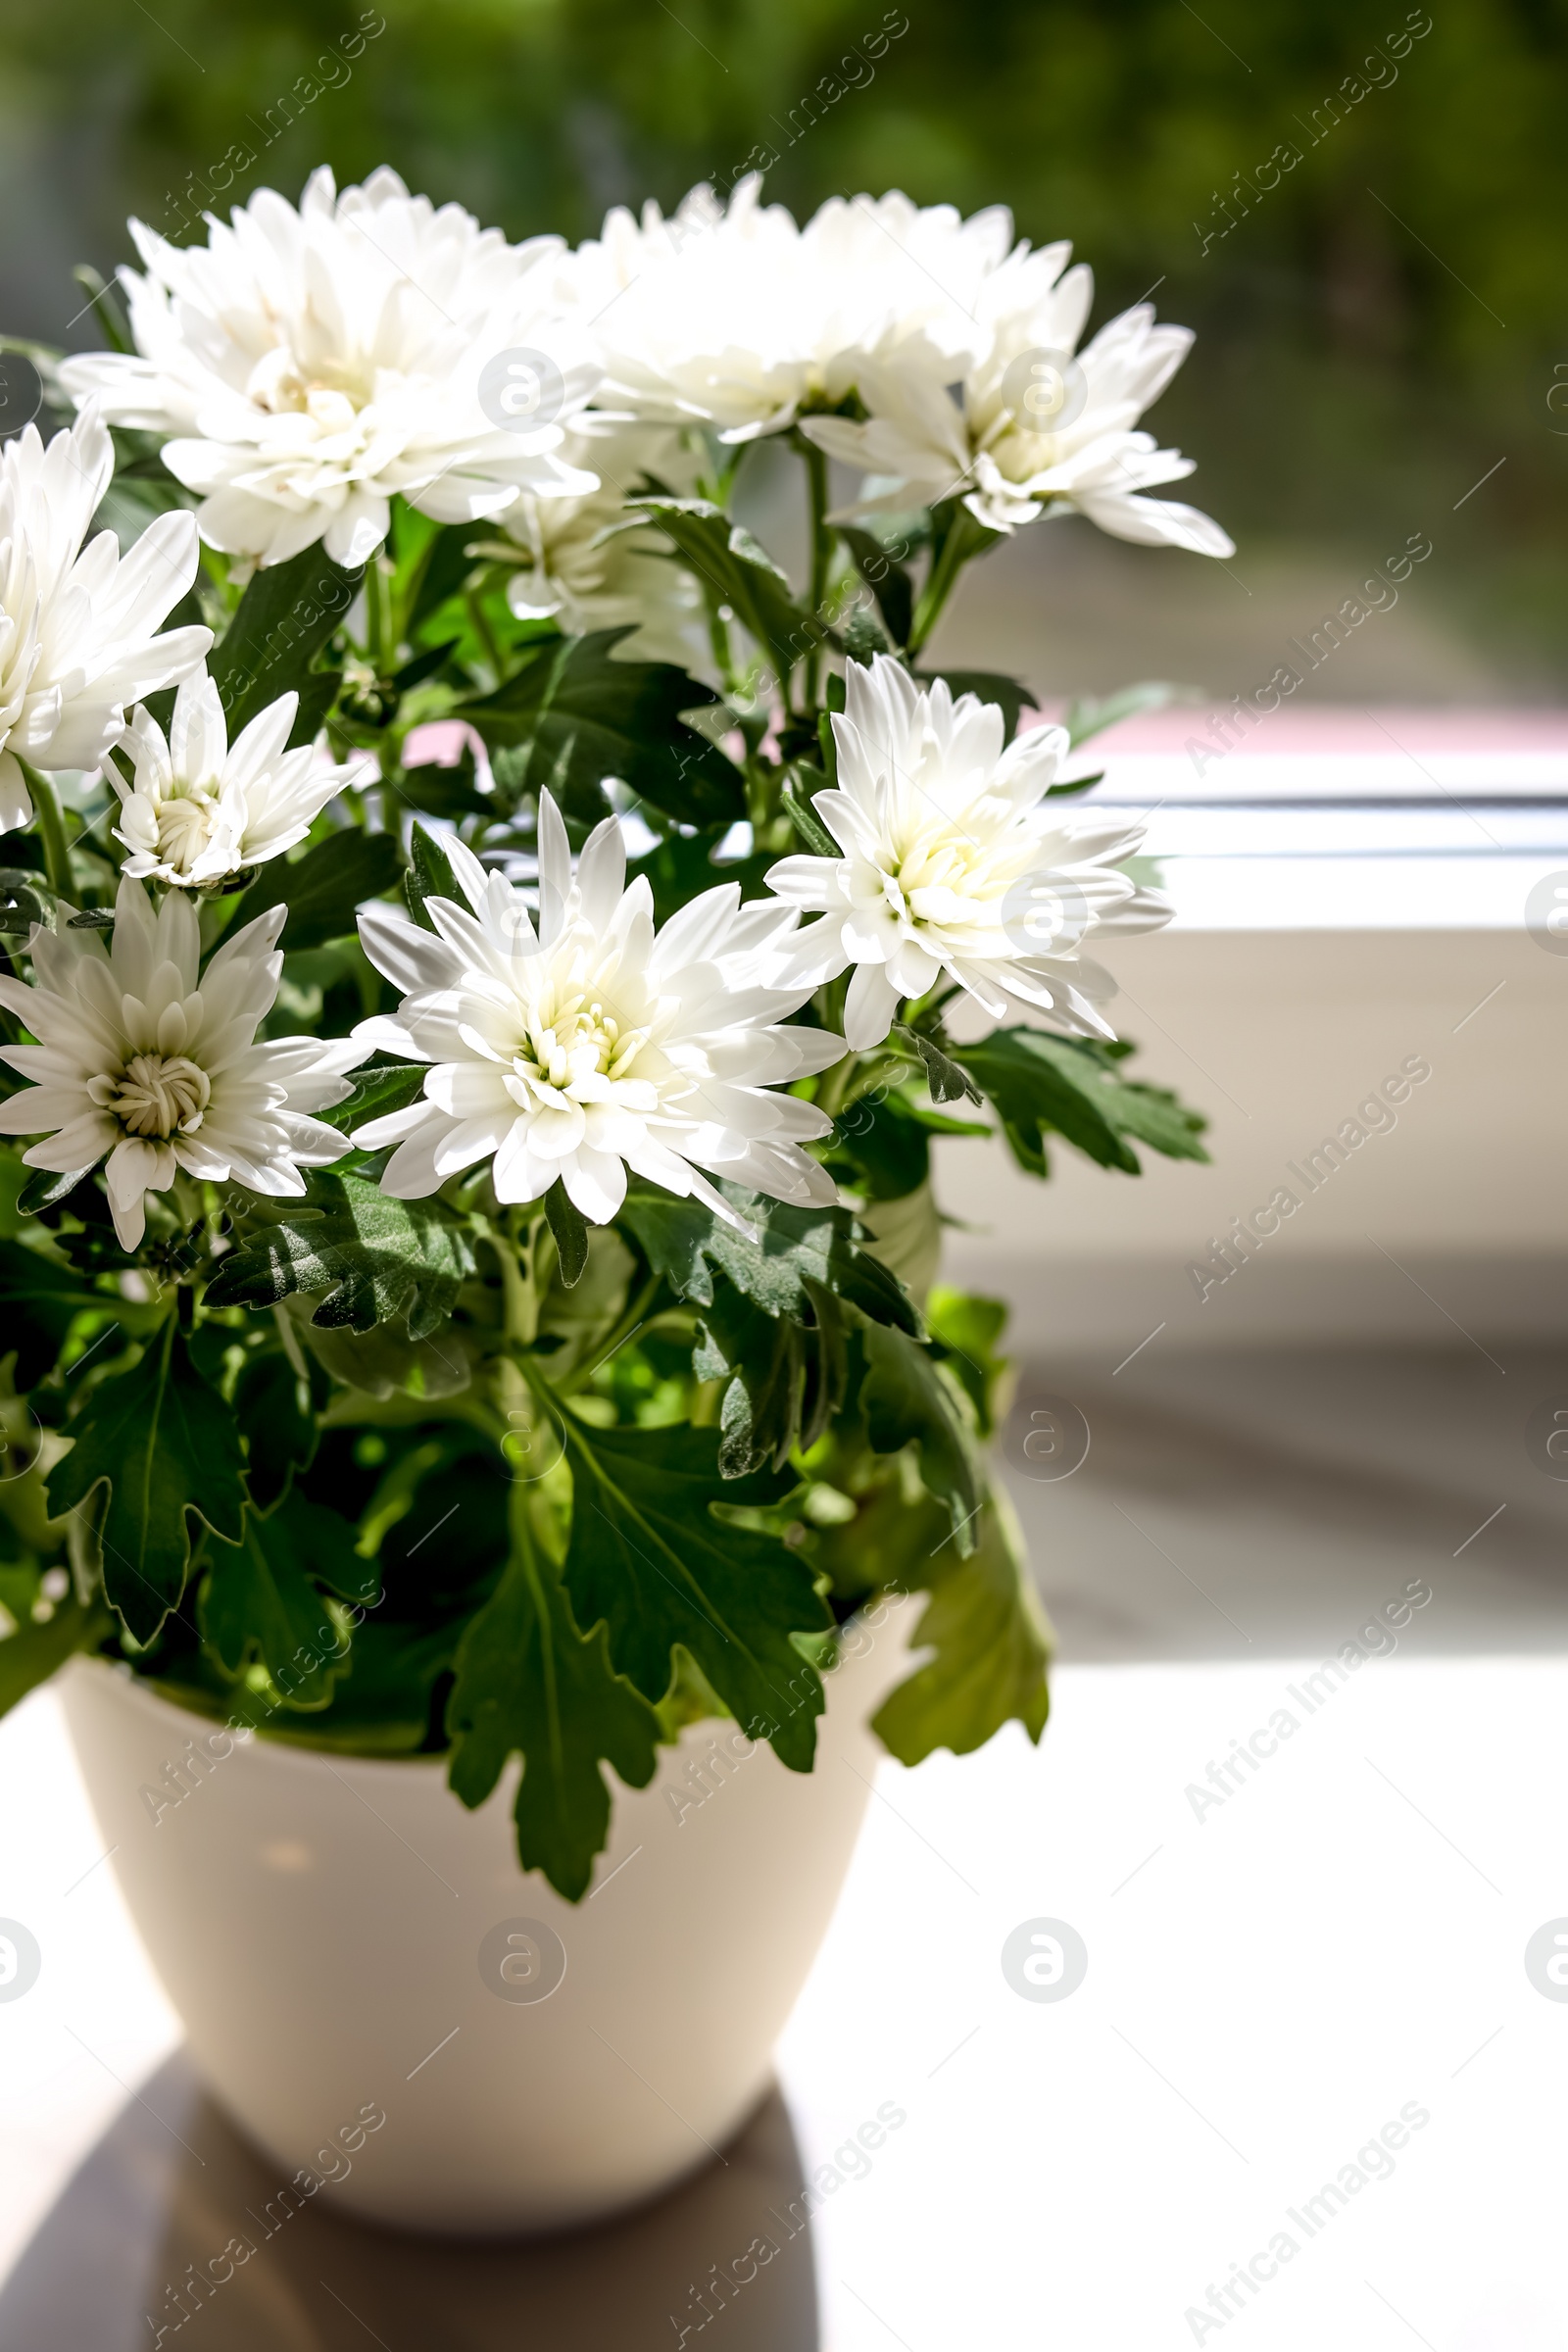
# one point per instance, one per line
(481, 950)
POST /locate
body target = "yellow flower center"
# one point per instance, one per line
(582, 1040)
(155, 1093)
(185, 824)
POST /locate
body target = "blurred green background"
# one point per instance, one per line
(1378, 333)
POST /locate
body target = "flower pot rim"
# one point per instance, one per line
(302, 1754)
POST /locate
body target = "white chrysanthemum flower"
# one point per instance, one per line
(955, 863)
(1039, 429)
(78, 628)
(595, 1043)
(579, 561)
(199, 808)
(309, 364)
(143, 1056)
(735, 316)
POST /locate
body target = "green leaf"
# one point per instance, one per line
(579, 716)
(945, 1079)
(260, 1599)
(889, 582)
(325, 888)
(785, 1381)
(1039, 1083)
(378, 1092)
(570, 1230)
(39, 1300)
(528, 1682)
(1091, 715)
(1156, 1116)
(993, 1649)
(795, 795)
(429, 875)
(796, 1249)
(737, 571)
(274, 1408)
(907, 1400)
(376, 1259)
(46, 1190)
(1010, 695)
(649, 1558)
(166, 1446)
(284, 617)
(34, 1652)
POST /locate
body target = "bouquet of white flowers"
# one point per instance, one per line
(478, 943)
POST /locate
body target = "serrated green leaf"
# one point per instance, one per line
(39, 1300)
(324, 889)
(528, 1683)
(287, 614)
(1156, 1116)
(649, 1559)
(261, 1599)
(992, 1650)
(1039, 1083)
(907, 1400)
(947, 1080)
(579, 716)
(785, 1381)
(735, 571)
(376, 1259)
(166, 1446)
(797, 1248)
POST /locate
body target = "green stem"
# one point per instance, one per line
(836, 1085)
(821, 556)
(52, 828)
(378, 615)
(963, 539)
(482, 630)
(519, 1288)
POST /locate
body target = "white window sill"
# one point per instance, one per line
(1346, 820)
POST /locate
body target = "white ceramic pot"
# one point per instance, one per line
(344, 1942)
